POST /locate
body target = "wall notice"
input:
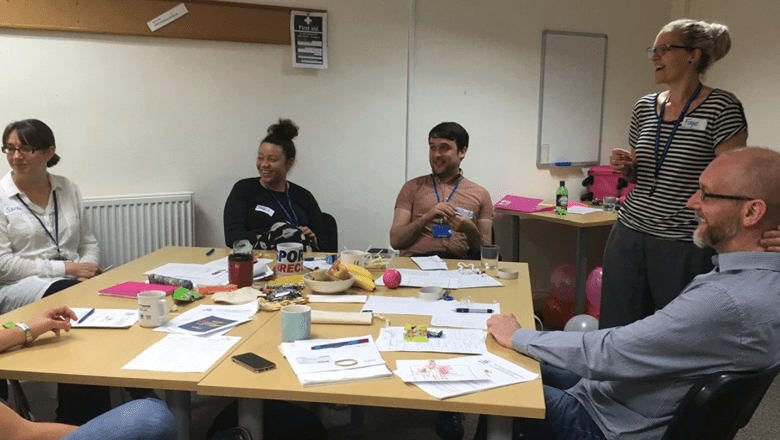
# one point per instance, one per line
(309, 32)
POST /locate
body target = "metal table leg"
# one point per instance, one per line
(179, 405)
(580, 270)
(250, 417)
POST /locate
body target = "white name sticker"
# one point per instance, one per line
(465, 213)
(13, 209)
(697, 124)
(265, 209)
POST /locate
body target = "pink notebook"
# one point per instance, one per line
(521, 204)
(130, 289)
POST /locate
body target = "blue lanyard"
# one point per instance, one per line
(292, 219)
(437, 191)
(660, 162)
(56, 221)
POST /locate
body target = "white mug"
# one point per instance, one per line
(296, 322)
(289, 259)
(358, 258)
(153, 308)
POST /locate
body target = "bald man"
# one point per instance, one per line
(626, 382)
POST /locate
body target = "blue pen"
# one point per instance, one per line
(340, 344)
(562, 164)
(87, 315)
(210, 252)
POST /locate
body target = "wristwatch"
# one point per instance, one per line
(28, 336)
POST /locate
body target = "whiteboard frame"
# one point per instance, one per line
(542, 157)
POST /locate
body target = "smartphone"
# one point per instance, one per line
(253, 362)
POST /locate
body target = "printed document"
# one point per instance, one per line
(464, 341)
(182, 354)
(104, 318)
(210, 320)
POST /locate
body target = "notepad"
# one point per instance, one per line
(130, 289)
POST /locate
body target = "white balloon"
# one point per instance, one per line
(581, 323)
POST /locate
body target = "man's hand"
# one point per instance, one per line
(503, 327)
(771, 240)
(54, 319)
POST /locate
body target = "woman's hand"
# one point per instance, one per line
(82, 271)
(54, 319)
(309, 233)
(625, 162)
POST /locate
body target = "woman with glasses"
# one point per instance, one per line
(270, 209)
(650, 255)
(45, 243)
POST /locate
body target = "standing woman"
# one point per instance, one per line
(270, 210)
(650, 255)
(45, 242)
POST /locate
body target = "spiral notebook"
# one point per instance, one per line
(130, 289)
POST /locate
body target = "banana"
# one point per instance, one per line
(364, 282)
(357, 270)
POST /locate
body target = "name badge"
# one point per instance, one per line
(441, 231)
(465, 213)
(13, 209)
(265, 209)
(697, 124)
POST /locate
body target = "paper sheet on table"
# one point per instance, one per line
(463, 341)
(105, 318)
(210, 320)
(451, 318)
(317, 264)
(438, 370)
(430, 263)
(182, 354)
(214, 273)
(440, 308)
(581, 210)
(501, 372)
(447, 279)
(360, 299)
(303, 359)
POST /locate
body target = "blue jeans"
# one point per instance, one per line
(565, 418)
(143, 419)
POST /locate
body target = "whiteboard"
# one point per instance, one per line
(571, 98)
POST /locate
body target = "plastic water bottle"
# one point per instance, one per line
(561, 199)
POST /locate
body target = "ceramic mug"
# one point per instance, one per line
(358, 258)
(289, 259)
(296, 322)
(153, 308)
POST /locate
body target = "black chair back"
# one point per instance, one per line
(331, 234)
(719, 405)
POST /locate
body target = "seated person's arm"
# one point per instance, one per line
(476, 234)
(234, 218)
(14, 427)
(404, 232)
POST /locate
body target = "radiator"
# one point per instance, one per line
(129, 227)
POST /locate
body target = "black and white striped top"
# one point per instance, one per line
(664, 215)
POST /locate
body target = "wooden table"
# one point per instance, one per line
(521, 400)
(580, 221)
(96, 356)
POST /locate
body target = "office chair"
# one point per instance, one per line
(331, 233)
(719, 405)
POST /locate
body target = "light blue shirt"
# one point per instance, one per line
(635, 376)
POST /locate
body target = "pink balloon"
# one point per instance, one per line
(593, 288)
(562, 282)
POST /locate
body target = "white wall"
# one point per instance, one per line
(139, 115)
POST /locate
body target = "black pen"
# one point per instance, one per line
(474, 310)
(87, 315)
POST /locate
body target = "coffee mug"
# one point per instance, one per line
(358, 258)
(240, 269)
(289, 259)
(296, 323)
(153, 308)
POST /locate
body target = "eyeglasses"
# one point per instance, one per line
(24, 149)
(661, 49)
(705, 195)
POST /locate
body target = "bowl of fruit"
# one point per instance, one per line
(336, 280)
